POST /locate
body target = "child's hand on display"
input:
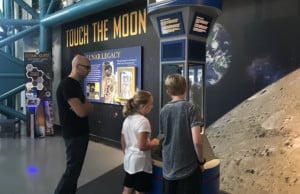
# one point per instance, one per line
(155, 142)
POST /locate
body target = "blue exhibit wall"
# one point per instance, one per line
(253, 44)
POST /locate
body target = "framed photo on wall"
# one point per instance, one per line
(126, 82)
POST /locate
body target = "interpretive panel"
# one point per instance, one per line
(38, 93)
(103, 84)
(170, 24)
(201, 24)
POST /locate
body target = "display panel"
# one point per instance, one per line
(101, 85)
(200, 25)
(38, 92)
(170, 24)
(173, 50)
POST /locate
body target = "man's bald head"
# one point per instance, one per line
(80, 67)
(79, 59)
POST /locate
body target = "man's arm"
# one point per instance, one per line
(81, 109)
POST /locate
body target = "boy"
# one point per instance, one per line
(182, 148)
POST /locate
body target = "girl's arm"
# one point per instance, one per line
(144, 143)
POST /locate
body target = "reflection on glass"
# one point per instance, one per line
(168, 69)
(126, 85)
(196, 86)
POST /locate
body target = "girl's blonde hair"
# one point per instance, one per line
(175, 84)
(132, 105)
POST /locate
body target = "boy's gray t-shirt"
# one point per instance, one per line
(178, 154)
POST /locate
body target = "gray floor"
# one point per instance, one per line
(34, 166)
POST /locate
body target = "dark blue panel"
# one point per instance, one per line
(173, 50)
(197, 50)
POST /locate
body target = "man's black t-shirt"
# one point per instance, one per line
(72, 125)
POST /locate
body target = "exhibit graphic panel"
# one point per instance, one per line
(38, 93)
(115, 75)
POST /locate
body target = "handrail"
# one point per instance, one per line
(13, 112)
(12, 92)
(10, 111)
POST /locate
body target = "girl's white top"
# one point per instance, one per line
(136, 160)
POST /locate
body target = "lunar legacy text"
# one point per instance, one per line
(129, 24)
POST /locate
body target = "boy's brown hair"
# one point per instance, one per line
(175, 84)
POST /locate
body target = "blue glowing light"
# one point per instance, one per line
(32, 170)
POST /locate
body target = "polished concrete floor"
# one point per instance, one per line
(34, 166)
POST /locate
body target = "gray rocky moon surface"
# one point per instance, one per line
(258, 141)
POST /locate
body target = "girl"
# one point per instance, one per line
(136, 143)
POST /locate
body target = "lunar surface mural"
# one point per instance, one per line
(258, 141)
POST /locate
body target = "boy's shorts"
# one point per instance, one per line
(188, 185)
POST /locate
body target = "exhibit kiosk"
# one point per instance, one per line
(183, 27)
(38, 93)
(32, 104)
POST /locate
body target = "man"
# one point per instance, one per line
(73, 110)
